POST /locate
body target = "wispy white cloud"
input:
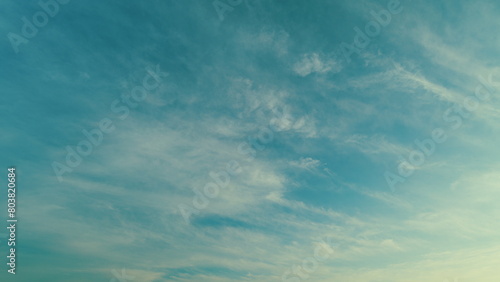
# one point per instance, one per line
(306, 163)
(316, 63)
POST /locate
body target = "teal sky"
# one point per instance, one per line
(322, 138)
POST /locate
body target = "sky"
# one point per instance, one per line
(252, 140)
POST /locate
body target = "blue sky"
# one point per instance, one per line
(337, 124)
